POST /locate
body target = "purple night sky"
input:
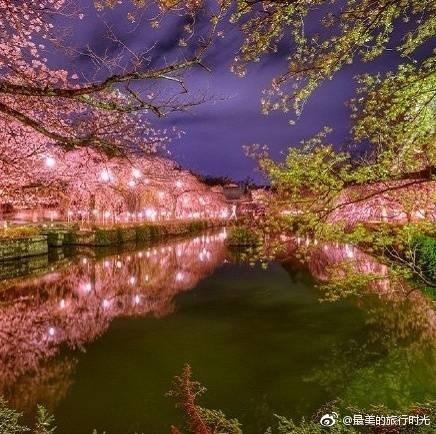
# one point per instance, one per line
(216, 131)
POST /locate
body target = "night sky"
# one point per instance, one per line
(216, 131)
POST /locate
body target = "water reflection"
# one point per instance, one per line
(73, 305)
(398, 350)
(386, 355)
(405, 313)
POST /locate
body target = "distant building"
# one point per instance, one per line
(235, 192)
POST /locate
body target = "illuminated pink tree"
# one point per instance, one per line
(46, 111)
(85, 185)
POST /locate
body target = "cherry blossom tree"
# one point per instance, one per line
(60, 130)
(86, 185)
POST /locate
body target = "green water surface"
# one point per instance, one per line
(259, 339)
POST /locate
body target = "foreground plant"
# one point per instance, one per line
(10, 421)
(199, 420)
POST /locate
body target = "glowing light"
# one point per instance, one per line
(151, 213)
(349, 251)
(50, 162)
(105, 175)
(136, 173)
(224, 213)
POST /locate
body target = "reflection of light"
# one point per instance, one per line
(87, 287)
(62, 304)
(107, 264)
(106, 303)
(51, 331)
(84, 261)
(137, 299)
(131, 183)
(147, 278)
(223, 234)
(179, 184)
(119, 264)
(132, 280)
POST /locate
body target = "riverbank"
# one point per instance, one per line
(40, 240)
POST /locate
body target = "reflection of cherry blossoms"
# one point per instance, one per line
(49, 385)
(74, 306)
(398, 352)
(404, 314)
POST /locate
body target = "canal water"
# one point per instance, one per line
(97, 337)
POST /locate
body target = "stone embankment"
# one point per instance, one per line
(55, 237)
